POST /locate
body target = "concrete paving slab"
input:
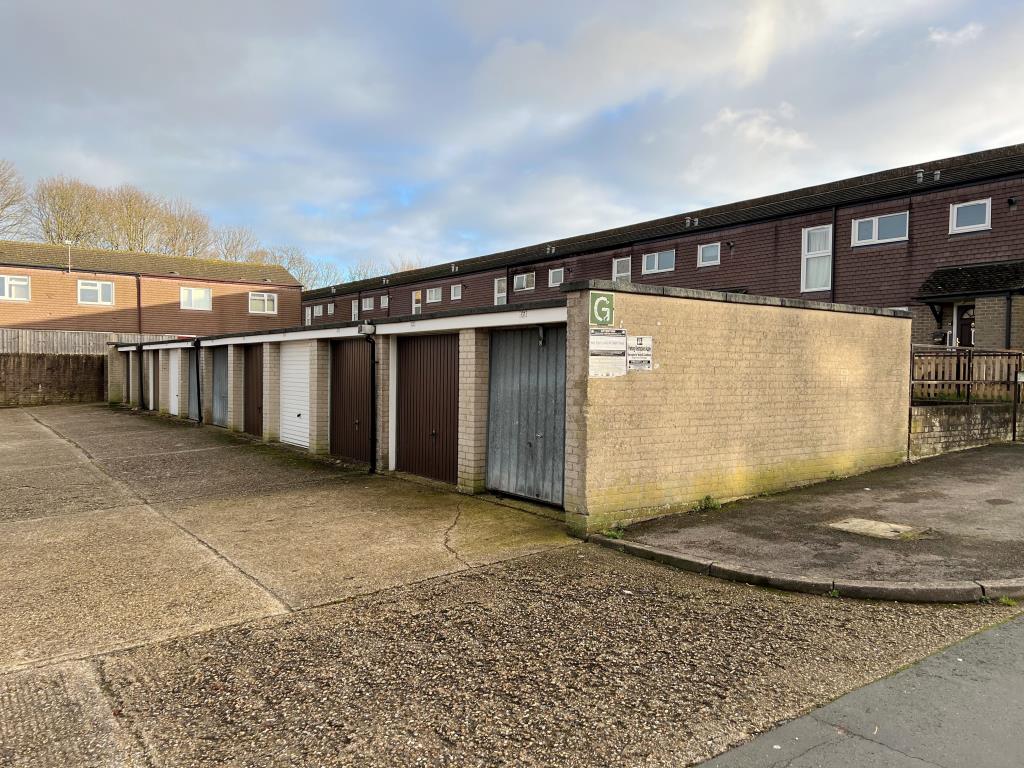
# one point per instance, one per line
(960, 707)
(969, 504)
(319, 543)
(59, 717)
(576, 656)
(37, 452)
(61, 489)
(77, 586)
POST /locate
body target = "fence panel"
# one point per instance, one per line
(965, 374)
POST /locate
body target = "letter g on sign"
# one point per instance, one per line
(602, 308)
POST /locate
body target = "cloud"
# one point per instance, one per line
(760, 127)
(965, 34)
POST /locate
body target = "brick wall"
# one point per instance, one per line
(54, 305)
(271, 391)
(474, 363)
(36, 379)
(936, 429)
(319, 397)
(744, 398)
(236, 387)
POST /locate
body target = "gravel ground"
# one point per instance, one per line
(578, 656)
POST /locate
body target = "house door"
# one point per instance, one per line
(964, 331)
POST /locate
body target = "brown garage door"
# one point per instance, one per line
(427, 429)
(351, 407)
(252, 382)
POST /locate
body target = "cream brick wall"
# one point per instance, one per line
(271, 391)
(163, 357)
(474, 363)
(236, 387)
(744, 398)
(990, 321)
(383, 344)
(1017, 323)
(184, 380)
(136, 369)
(206, 390)
(116, 362)
(319, 397)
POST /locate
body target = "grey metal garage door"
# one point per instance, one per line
(220, 386)
(526, 420)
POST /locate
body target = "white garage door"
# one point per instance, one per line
(295, 393)
(174, 379)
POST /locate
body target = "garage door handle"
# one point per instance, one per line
(433, 433)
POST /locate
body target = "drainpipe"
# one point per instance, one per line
(199, 379)
(367, 330)
(835, 252)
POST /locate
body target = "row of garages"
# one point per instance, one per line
(477, 401)
(607, 406)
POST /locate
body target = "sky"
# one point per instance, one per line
(448, 129)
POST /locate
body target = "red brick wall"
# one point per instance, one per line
(54, 305)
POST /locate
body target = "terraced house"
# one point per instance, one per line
(54, 287)
(944, 239)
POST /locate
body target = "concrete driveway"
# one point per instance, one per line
(177, 596)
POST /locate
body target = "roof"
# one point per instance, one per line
(973, 280)
(987, 164)
(15, 253)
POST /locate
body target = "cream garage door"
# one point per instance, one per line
(295, 356)
(173, 380)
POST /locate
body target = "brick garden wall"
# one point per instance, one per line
(743, 398)
(936, 429)
(37, 379)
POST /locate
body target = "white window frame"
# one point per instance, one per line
(318, 310)
(266, 296)
(355, 309)
(854, 242)
(384, 301)
(529, 281)
(434, 295)
(417, 302)
(643, 262)
(191, 294)
(309, 315)
(98, 285)
(629, 268)
(805, 256)
(500, 291)
(455, 292)
(367, 304)
(5, 293)
(554, 282)
(700, 255)
(955, 230)
(330, 308)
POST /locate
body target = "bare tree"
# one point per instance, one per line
(184, 231)
(363, 269)
(129, 219)
(63, 209)
(13, 199)
(405, 263)
(236, 244)
(312, 273)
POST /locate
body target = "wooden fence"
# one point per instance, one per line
(965, 375)
(26, 341)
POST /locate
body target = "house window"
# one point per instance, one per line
(456, 292)
(433, 295)
(197, 298)
(309, 315)
(816, 272)
(970, 217)
(383, 302)
(263, 303)
(330, 308)
(318, 310)
(500, 291)
(368, 304)
(15, 288)
(556, 277)
(708, 255)
(95, 292)
(525, 281)
(622, 268)
(662, 261)
(355, 309)
(417, 302)
(881, 229)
